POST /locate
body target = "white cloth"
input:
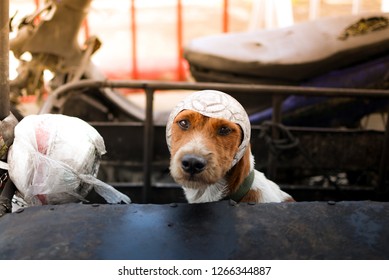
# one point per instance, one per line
(214, 104)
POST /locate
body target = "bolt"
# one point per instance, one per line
(95, 205)
(331, 202)
(251, 203)
(173, 205)
(20, 210)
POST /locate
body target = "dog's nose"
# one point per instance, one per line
(193, 164)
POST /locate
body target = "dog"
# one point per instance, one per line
(208, 136)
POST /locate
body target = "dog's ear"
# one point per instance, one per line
(239, 171)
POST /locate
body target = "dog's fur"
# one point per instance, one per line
(214, 143)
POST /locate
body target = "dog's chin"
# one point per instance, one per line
(196, 181)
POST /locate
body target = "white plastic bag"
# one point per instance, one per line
(55, 159)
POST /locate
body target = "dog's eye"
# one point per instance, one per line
(224, 130)
(184, 124)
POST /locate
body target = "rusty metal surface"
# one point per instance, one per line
(306, 230)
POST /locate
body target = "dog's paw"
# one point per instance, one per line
(5, 206)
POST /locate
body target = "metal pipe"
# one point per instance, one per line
(148, 147)
(276, 118)
(134, 53)
(225, 17)
(282, 91)
(180, 66)
(4, 59)
(382, 187)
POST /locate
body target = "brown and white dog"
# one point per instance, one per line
(208, 135)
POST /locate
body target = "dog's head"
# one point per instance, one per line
(207, 134)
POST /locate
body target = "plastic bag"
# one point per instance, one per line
(55, 159)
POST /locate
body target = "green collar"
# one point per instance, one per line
(243, 188)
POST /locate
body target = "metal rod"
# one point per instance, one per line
(225, 17)
(4, 59)
(149, 144)
(382, 188)
(180, 66)
(276, 118)
(134, 53)
(283, 91)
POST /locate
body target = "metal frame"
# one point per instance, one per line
(277, 93)
(220, 230)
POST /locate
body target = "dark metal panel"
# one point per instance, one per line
(306, 230)
(331, 149)
(124, 142)
(325, 150)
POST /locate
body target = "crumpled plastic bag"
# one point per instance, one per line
(55, 159)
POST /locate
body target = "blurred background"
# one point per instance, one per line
(143, 39)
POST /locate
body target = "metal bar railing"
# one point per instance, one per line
(149, 144)
(283, 91)
(382, 188)
(180, 42)
(225, 17)
(278, 93)
(4, 60)
(134, 50)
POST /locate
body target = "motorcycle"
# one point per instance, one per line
(48, 40)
